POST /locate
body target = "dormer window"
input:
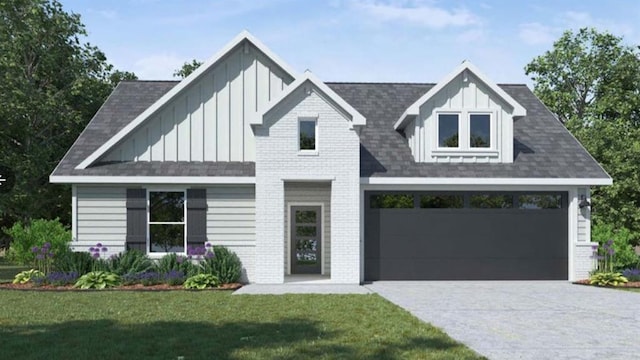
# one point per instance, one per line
(307, 135)
(479, 130)
(448, 130)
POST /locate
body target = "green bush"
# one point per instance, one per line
(70, 261)
(623, 256)
(98, 280)
(26, 276)
(39, 232)
(201, 281)
(130, 262)
(173, 262)
(225, 265)
(607, 279)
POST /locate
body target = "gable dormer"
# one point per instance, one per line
(465, 118)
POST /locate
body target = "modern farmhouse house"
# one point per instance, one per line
(348, 182)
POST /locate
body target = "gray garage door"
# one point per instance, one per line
(466, 236)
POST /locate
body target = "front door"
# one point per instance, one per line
(306, 240)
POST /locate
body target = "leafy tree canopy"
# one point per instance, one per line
(591, 80)
(187, 68)
(51, 84)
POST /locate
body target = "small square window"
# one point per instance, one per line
(307, 139)
(480, 130)
(448, 129)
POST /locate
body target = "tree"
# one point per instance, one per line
(51, 84)
(592, 82)
(187, 68)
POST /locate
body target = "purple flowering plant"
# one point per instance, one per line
(43, 257)
(604, 256)
(96, 253)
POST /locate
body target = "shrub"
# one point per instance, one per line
(174, 277)
(631, 274)
(616, 243)
(173, 262)
(607, 279)
(224, 264)
(69, 261)
(39, 232)
(201, 281)
(97, 280)
(26, 276)
(130, 262)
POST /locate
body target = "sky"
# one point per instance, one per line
(350, 40)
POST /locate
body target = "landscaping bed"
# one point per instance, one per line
(630, 284)
(132, 287)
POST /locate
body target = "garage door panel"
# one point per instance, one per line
(466, 243)
(469, 269)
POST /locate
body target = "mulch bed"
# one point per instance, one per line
(630, 284)
(135, 287)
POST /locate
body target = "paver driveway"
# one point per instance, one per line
(526, 319)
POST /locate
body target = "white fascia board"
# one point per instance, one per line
(152, 179)
(151, 110)
(483, 181)
(414, 109)
(357, 119)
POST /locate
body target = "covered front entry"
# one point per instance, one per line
(466, 236)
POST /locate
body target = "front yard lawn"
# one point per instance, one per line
(9, 270)
(213, 325)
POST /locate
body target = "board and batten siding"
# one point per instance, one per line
(309, 193)
(231, 222)
(209, 120)
(101, 218)
(461, 95)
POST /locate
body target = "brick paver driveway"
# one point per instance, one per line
(526, 319)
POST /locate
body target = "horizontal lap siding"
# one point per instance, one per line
(102, 218)
(231, 222)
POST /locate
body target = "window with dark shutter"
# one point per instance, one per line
(196, 217)
(136, 238)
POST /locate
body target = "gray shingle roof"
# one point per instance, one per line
(543, 148)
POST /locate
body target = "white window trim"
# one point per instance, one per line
(464, 134)
(157, 255)
(437, 142)
(313, 152)
(492, 132)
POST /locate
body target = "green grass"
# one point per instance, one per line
(213, 325)
(9, 270)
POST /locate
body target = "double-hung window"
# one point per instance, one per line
(166, 220)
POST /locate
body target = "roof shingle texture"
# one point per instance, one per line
(543, 148)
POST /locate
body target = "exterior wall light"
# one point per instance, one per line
(583, 202)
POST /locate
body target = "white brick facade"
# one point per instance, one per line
(583, 260)
(278, 161)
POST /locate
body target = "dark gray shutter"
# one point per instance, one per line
(196, 217)
(137, 219)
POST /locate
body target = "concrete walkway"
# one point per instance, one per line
(526, 320)
(279, 289)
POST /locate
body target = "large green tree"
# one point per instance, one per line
(51, 84)
(591, 80)
(187, 68)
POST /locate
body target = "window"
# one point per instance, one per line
(479, 130)
(448, 130)
(391, 201)
(166, 221)
(539, 201)
(307, 132)
(491, 201)
(441, 201)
